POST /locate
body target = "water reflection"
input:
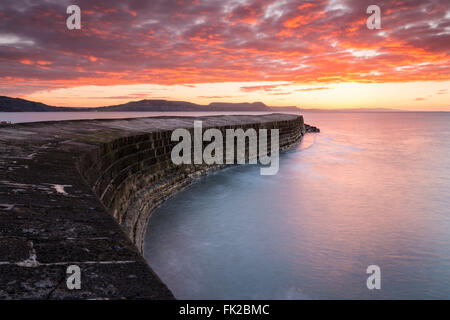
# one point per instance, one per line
(369, 189)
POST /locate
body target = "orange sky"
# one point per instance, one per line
(430, 96)
(312, 54)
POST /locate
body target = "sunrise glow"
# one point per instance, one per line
(311, 54)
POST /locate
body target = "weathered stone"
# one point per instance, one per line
(59, 180)
(311, 129)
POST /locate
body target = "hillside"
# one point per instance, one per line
(8, 104)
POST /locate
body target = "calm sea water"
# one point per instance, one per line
(20, 117)
(371, 188)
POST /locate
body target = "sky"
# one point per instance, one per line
(309, 54)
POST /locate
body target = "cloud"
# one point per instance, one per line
(215, 97)
(210, 41)
(123, 97)
(280, 93)
(260, 88)
(313, 89)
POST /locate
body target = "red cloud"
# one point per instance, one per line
(181, 42)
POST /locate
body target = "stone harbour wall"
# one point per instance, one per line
(82, 193)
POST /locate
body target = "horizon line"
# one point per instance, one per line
(338, 109)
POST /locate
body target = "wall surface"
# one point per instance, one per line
(82, 192)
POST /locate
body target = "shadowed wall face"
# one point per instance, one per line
(132, 176)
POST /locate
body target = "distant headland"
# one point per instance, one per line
(8, 104)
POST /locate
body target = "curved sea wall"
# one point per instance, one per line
(82, 192)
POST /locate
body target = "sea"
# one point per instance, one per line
(371, 189)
